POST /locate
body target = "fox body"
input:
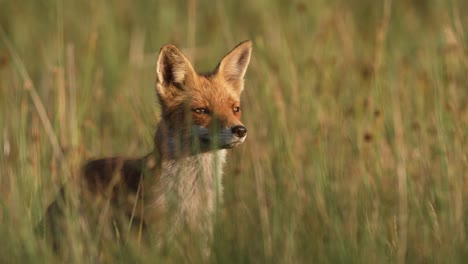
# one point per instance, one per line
(181, 177)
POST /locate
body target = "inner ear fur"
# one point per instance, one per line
(234, 65)
(172, 68)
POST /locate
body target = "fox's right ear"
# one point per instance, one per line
(172, 68)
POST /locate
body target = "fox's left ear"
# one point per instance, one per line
(234, 65)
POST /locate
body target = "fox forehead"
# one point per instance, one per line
(213, 92)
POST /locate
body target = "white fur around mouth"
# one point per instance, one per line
(234, 143)
(223, 145)
(231, 145)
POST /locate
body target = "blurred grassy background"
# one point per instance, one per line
(357, 114)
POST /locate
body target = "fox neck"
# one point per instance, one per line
(175, 143)
(190, 188)
(194, 175)
(189, 185)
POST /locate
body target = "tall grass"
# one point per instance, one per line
(357, 114)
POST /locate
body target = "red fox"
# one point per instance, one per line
(182, 175)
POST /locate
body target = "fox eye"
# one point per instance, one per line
(236, 109)
(201, 110)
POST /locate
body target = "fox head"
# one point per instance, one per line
(201, 112)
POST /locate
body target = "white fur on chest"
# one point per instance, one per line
(191, 187)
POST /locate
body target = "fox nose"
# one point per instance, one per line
(239, 131)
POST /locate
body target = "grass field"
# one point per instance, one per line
(357, 113)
